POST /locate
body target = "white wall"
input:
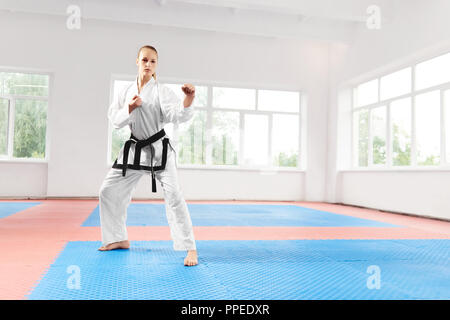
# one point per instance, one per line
(422, 193)
(23, 179)
(82, 63)
(419, 30)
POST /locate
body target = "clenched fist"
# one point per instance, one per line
(188, 89)
(135, 102)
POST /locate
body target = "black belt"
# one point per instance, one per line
(137, 155)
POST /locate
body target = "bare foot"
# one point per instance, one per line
(116, 245)
(191, 258)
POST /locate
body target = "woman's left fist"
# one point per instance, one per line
(188, 89)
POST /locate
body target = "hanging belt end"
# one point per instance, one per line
(153, 184)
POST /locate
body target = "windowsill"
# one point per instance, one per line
(241, 168)
(406, 169)
(20, 160)
(263, 170)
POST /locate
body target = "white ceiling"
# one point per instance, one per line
(331, 20)
(344, 10)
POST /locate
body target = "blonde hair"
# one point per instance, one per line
(152, 48)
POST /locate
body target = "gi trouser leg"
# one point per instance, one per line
(177, 212)
(114, 198)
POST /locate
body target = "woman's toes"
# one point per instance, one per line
(190, 262)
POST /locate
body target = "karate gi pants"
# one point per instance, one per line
(115, 196)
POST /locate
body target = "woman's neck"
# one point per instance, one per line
(142, 81)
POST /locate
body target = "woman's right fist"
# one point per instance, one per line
(135, 102)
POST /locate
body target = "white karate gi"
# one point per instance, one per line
(160, 105)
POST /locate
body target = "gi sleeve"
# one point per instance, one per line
(172, 108)
(118, 111)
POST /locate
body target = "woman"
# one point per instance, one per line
(146, 106)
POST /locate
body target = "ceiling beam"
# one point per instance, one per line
(175, 13)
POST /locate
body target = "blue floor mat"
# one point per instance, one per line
(9, 208)
(139, 214)
(256, 270)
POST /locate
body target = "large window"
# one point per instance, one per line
(256, 142)
(285, 139)
(192, 139)
(366, 93)
(401, 127)
(402, 120)
(23, 115)
(225, 137)
(433, 72)
(378, 138)
(234, 127)
(395, 84)
(428, 129)
(361, 137)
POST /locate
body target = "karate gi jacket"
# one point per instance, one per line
(148, 145)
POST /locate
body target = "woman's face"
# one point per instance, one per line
(147, 62)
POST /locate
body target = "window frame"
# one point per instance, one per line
(9, 158)
(444, 163)
(209, 109)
